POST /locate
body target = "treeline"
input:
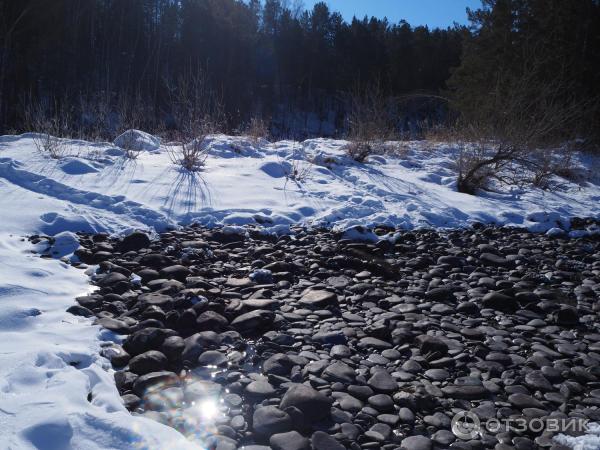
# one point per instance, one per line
(238, 60)
(99, 65)
(531, 69)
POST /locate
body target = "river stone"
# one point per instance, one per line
(292, 440)
(312, 403)
(269, 420)
(318, 299)
(150, 361)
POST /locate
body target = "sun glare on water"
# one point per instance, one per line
(208, 409)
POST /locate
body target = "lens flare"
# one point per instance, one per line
(208, 409)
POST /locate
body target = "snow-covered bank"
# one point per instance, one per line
(96, 188)
(55, 390)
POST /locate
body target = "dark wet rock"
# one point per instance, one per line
(439, 294)
(131, 401)
(318, 299)
(313, 404)
(524, 401)
(253, 321)
(381, 402)
(278, 364)
(155, 260)
(155, 299)
(112, 278)
(261, 389)
(382, 381)
(493, 260)
(197, 344)
(116, 325)
(339, 371)
(536, 380)
(416, 443)
(212, 358)
(371, 342)
(177, 272)
(465, 392)
(566, 316)
(116, 355)
(78, 310)
(292, 440)
(135, 241)
(172, 347)
(330, 337)
(124, 380)
(146, 339)
(499, 301)
(150, 361)
(432, 344)
(270, 420)
(322, 441)
(154, 380)
(211, 321)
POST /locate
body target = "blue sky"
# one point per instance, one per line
(434, 13)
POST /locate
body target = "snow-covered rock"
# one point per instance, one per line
(138, 141)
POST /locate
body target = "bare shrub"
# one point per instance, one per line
(190, 156)
(300, 166)
(257, 129)
(50, 145)
(198, 112)
(474, 168)
(369, 124)
(520, 125)
(359, 150)
(191, 151)
(438, 132)
(300, 170)
(397, 149)
(48, 124)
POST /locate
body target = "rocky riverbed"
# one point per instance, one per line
(237, 338)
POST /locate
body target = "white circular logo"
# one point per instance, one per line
(466, 425)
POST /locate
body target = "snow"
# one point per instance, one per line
(588, 441)
(252, 183)
(63, 244)
(138, 141)
(50, 360)
(50, 363)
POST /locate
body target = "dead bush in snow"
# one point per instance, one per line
(369, 124)
(190, 156)
(190, 152)
(505, 144)
(257, 129)
(359, 150)
(48, 127)
(299, 166)
(50, 145)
